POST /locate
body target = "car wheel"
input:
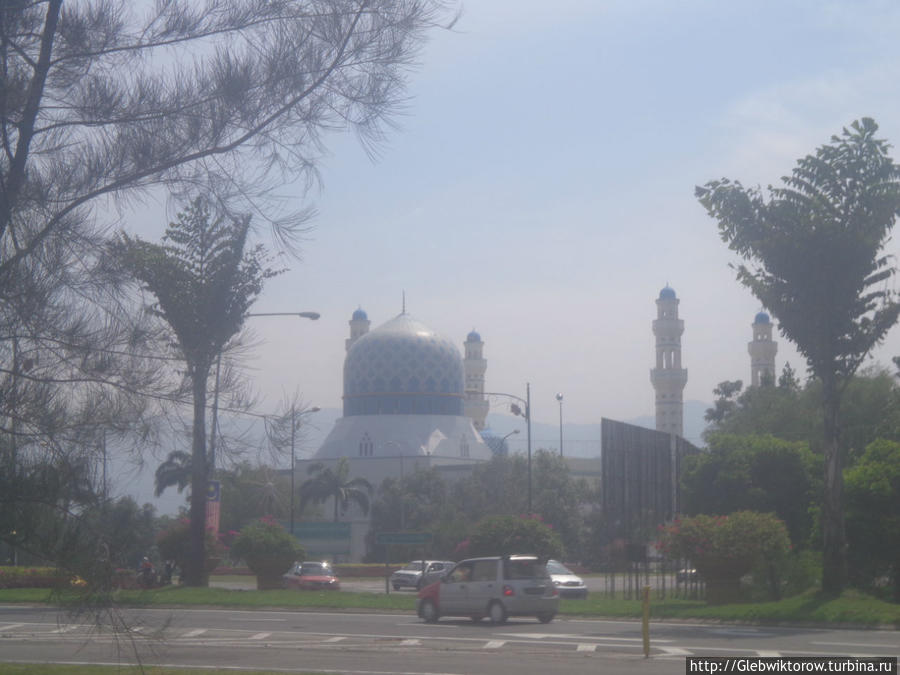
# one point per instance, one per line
(546, 617)
(429, 612)
(497, 613)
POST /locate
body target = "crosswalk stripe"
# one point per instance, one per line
(260, 636)
(335, 639)
(11, 626)
(65, 629)
(194, 633)
(410, 643)
(495, 644)
(768, 654)
(586, 648)
(675, 651)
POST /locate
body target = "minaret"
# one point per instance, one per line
(762, 352)
(359, 326)
(475, 365)
(668, 378)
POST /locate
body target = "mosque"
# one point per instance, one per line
(411, 400)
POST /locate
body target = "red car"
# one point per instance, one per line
(311, 576)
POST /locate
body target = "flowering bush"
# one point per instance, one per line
(506, 535)
(268, 549)
(32, 577)
(725, 548)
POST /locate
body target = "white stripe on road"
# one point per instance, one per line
(11, 626)
(260, 636)
(675, 651)
(194, 633)
(334, 639)
(410, 643)
(495, 644)
(764, 654)
(65, 629)
(586, 648)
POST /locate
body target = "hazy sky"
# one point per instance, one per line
(540, 190)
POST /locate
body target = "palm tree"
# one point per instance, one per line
(326, 483)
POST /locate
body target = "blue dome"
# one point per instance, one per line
(403, 368)
(762, 317)
(473, 337)
(667, 293)
(360, 315)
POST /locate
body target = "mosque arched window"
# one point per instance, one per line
(463, 447)
(366, 447)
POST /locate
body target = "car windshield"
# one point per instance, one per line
(554, 567)
(414, 566)
(310, 569)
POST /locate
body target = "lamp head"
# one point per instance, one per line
(559, 397)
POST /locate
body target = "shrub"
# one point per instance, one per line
(725, 548)
(174, 543)
(269, 551)
(507, 535)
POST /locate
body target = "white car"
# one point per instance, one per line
(419, 573)
(569, 584)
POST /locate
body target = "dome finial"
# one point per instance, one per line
(404, 303)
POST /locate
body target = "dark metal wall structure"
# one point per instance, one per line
(641, 469)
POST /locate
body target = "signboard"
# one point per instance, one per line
(323, 539)
(403, 538)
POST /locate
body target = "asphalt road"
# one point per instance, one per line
(358, 643)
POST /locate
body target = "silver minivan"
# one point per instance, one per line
(495, 587)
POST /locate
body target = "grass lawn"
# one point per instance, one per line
(851, 607)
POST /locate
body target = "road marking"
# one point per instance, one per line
(11, 626)
(135, 629)
(245, 620)
(494, 644)
(194, 633)
(262, 636)
(410, 643)
(675, 651)
(566, 636)
(586, 648)
(65, 629)
(334, 639)
(764, 654)
(854, 644)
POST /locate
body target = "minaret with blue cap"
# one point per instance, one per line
(475, 365)
(359, 326)
(668, 378)
(762, 351)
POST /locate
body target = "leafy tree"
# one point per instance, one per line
(559, 498)
(269, 551)
(335, 483)
(873, 515)
(754, 473)
(508, 535)
(726, 393)
(815, 247)
(112, 100)
(205, 279)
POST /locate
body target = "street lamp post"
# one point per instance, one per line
(559, 397)
(516, 410)
(503, 440)
(314, 316)
(294, 425)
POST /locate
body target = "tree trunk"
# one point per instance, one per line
(195, 571)
(834, 545)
